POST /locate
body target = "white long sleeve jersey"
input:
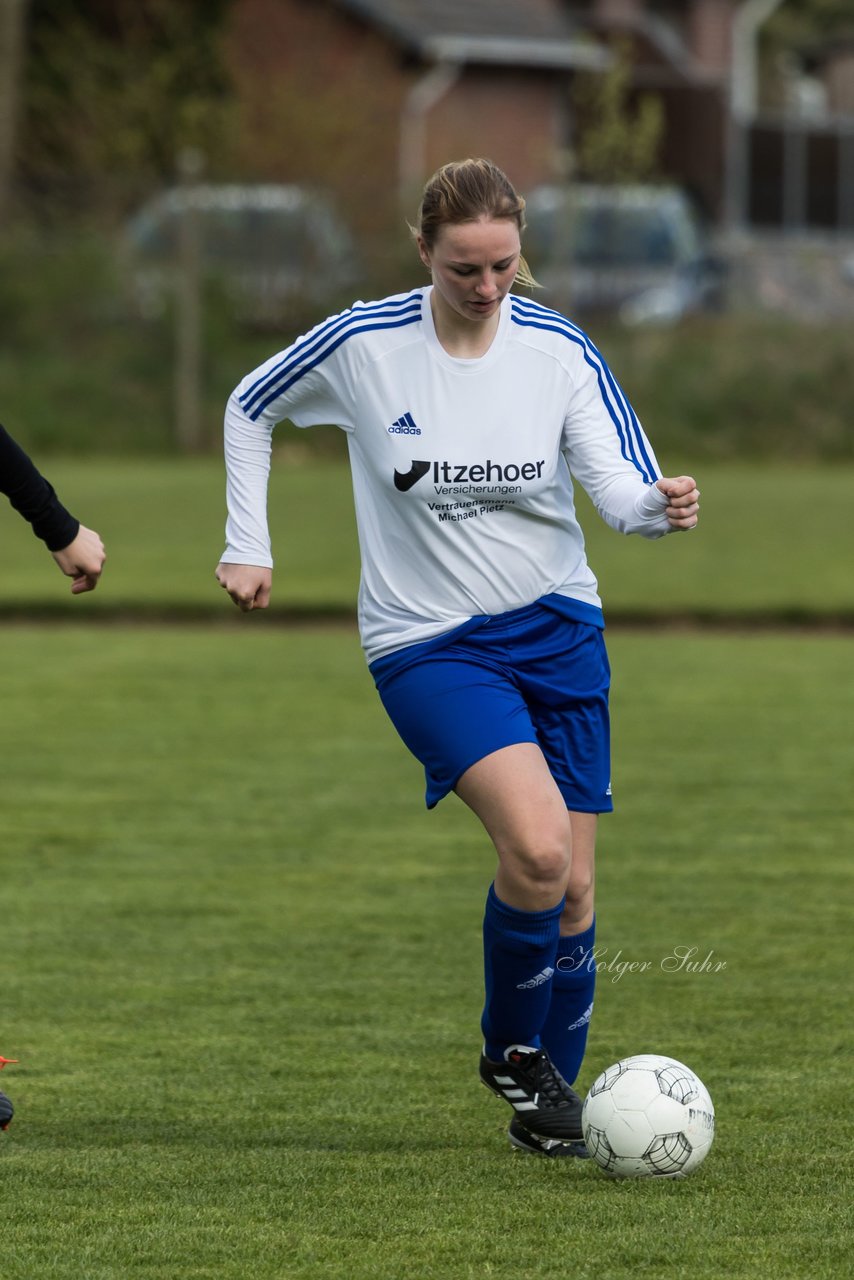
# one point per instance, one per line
(462, 469)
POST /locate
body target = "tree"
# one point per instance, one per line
(115, 91)
(794, 36)
(11, 57)
(801, 24)
(618, 140)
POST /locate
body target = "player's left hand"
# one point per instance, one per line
(82, 560)
(683, 504)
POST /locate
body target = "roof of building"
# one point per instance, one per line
(511, 32)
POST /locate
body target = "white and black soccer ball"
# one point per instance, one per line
(648, 1116)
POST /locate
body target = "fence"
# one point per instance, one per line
(800, 175)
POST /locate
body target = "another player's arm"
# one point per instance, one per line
(78, 551)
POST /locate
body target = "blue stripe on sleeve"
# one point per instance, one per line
(633, 443)
(297, 360)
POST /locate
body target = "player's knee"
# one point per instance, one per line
(543, 858)
(579, 889)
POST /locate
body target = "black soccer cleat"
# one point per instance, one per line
(6, 1111)
(554, 1148)
(543, 1101)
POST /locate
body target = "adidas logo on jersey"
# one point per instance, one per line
(405, 426)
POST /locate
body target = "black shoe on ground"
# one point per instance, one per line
(543, 1101)
(551, 1147)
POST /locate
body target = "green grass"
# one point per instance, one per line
(772, 539)
(241, 968)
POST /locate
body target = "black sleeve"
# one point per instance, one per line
(31, 495)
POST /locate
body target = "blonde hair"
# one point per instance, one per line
(465, 190)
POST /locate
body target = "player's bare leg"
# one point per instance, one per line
(515, 796)
(579, 909)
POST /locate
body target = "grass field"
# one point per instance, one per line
(241, 966)
(773, 539)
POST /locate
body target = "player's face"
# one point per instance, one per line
(473, 265)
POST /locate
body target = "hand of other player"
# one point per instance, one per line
(247, 584)
(82, 560)
(683, 501)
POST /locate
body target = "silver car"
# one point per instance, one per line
(278, 252)
(638, 252)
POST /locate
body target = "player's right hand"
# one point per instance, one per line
(248, 584)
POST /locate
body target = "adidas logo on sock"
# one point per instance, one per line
(537, 981)
(583, 1020)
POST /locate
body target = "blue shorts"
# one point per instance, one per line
(530, 675)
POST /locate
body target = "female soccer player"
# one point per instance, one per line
(468, 410)
(77, 550)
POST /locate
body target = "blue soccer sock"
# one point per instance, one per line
(519, 951)
(564, 1031)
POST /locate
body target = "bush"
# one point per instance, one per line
(80, 374)
(740, 386)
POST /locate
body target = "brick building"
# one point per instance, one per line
(392, 88)
(395, 87)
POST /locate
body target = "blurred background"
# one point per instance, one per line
(184, 187)
(191, 810)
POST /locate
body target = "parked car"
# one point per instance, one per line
(279, 252)
(639, 252)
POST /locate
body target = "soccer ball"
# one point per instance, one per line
(648, 1116)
